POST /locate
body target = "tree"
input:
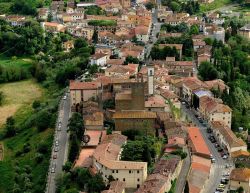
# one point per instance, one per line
(208, 41)
(36, 104)
(43, 120)
(131, 59)
(67, 166)
(1, 98)
(150, 5)
(194, 30)
(76, 125)
(174, 6)
(240, 189)
(10, 127)
(95, 37)
(74, 148)
(207, 71)
(96, 184)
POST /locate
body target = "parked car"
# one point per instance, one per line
(221, 186)
(224, 157)
(213, 160)
(209, 130)
(220, 149)
(220, 189)
(57, 142)
(64, 97)
(54, 156)
(216, 145)
(56, 149)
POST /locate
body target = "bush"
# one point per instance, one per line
(26, 148)
(36, 104)
(42, 148)
(43, 120)
(39, 157)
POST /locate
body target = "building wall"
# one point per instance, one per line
(203, 59)
(245, 34)
(234, 185)
(223, 142)
(135, 124)
(226, 118)
(99, 62)
(77, 96)
(131, 177)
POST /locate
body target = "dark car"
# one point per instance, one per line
(220, 150)
(209, 130)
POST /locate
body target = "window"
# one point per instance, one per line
(212, 119)
(113, 171)
(138, 171)
(124, 179)
(223, 118)
(138, 185)
(116, 171)
(138, 180)
(116, 178)
(130, 171)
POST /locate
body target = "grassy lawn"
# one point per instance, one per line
(16, 95)
(215, 5)
(15, 62)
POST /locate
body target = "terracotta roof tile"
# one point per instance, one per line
(240, 174)
(198, 144)
(75, 85)
(228, 134)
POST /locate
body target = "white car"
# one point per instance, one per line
(56, 149)
(57, 143)
(224, 157)
(65, 97)
(213, 160)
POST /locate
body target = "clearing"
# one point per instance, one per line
(16, 95)
(15, 62)
(214, 5)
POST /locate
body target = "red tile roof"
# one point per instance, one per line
(75, 85)
(198, 144)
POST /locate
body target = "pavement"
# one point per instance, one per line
(182, 178)
(63, 138)
(218, 168)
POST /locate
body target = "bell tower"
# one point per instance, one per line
(151, 72)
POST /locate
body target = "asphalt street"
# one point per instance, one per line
(63, 138)
(218, 168)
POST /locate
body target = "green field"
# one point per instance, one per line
(17, 95)
(214, 5)
(15, 62)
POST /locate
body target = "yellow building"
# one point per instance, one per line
(240, 177)
(106, 160)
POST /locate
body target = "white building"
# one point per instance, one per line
(106, 160)
(99, 59)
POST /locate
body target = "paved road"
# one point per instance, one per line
(63, 138)
(181, 180)
(155, 30)
(218, 168)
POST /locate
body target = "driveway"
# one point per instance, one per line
(63, 139)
